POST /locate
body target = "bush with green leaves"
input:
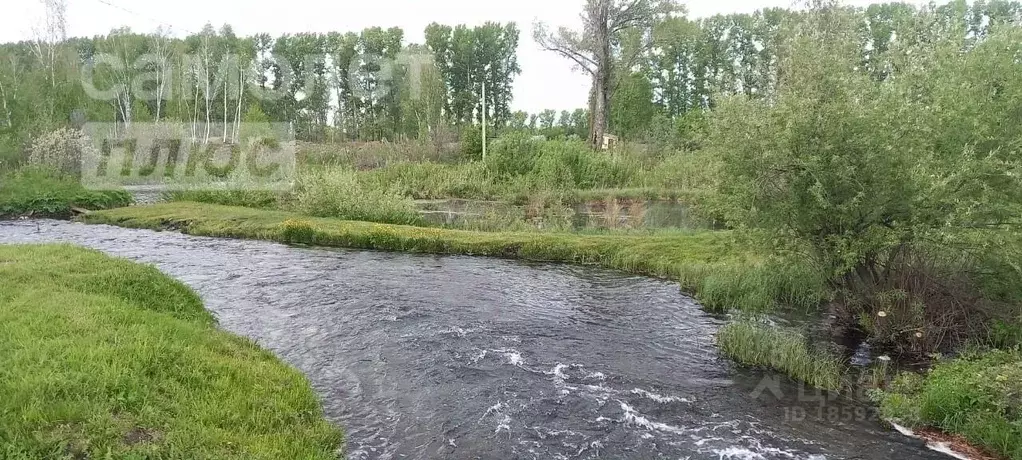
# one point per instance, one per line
(340, 192)
(872, 174)
(472, 142)
(513, 155)
(572, 165)
(60, 150)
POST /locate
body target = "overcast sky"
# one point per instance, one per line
(547, 81)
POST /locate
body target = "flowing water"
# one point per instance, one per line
(423, 356)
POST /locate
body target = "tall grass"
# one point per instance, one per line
(429, 180)
(370, 155)
(42, 193)
(263, 199)
(783, 349)
(341, 193)
(765, 287)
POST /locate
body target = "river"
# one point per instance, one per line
(421, 356)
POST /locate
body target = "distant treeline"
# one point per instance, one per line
(372, 85)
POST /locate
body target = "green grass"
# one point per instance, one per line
(976, 396)
(700, 261)
(105, 358)
(342, 193)
(782, 349)
(41, 194)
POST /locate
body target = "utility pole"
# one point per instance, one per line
(484, 119)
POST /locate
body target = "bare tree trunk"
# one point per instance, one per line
(7, 110)
(161, 48)
(599, 103)
(207, 97)
(225, 109)
(195, 114)
(209, 104)
(241, 96)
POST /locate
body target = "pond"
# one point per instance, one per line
(420, 356)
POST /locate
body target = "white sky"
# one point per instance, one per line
(547, 81)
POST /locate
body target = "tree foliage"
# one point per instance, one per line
(898, 185)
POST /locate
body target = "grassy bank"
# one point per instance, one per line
(781, 349)
(976, 396)
(41, 194)
(104, 358)
(709, 264)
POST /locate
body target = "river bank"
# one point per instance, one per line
(38, 193)
(105, 358)
(710, 265)
(428, 356)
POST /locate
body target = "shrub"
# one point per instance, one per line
(472, 142)
(513, 155)
(869, 173)
(339, 192)
(297, 231)
(12, 155)
(59, 150)
(572, 165)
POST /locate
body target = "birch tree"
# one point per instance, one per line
(160, 49)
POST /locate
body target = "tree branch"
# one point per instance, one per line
(583, 61)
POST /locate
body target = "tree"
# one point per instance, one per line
(632, 107)
(596, 50)
(47, 46)
(120, 50)
(879, 179)
(547, 118)
(160, 65)
(469, 58)
(423, 104)
(519, 121)
(565, 119)
(580, 123)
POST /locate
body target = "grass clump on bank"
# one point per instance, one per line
(697, 260)
(38, 193)
(976, 396)
(104, 358)
(782, 349)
